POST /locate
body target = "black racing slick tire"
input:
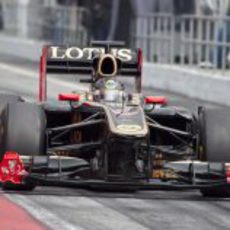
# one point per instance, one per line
(5, 99)
(24, 126)
(8, 98)
(214, 125)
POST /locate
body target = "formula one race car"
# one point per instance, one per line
(106, 137)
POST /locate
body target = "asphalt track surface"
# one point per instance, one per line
(67, 209)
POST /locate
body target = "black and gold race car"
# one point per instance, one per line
(108, 137)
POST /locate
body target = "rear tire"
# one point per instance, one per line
(214, 138)
(24, 126)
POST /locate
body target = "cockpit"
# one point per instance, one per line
(109, 90)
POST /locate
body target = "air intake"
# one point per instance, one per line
(107, 66)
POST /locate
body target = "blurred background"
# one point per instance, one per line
(184, 32)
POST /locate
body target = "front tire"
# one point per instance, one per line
(214, 141)
(24, 126)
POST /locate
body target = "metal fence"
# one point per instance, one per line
(185, 40)
(57, 24)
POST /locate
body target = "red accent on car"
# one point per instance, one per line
(87, 104)
(227, 165)
(68, 97)
(42, 96)
(140, 59)
(156, 100)
(12, 168)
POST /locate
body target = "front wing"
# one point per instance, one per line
(68, 171)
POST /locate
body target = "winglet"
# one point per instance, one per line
(12, 168)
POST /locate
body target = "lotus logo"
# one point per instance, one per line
(75, 53)
(129, 128)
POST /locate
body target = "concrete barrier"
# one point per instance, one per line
(18, 47)
(206, 85)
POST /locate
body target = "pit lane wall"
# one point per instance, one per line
(203, 84)
(209, 85)
(20, 47)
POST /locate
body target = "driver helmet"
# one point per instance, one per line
(110, 89)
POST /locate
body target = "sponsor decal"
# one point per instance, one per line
(125, 113)
(75, 53)
(111, 84)
(129, 128)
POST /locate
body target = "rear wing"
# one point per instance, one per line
(80, 61)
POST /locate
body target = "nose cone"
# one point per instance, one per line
(107, 66)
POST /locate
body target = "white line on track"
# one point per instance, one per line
(48, 218)
(85, 211)
(90, 212)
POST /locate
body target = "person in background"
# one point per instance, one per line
(182, 7)
(62, 16)
(223, 35)
(221, 32)
(97, 20)
(100, 19)
(164, 6)
(48, 16)
(211, 7)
